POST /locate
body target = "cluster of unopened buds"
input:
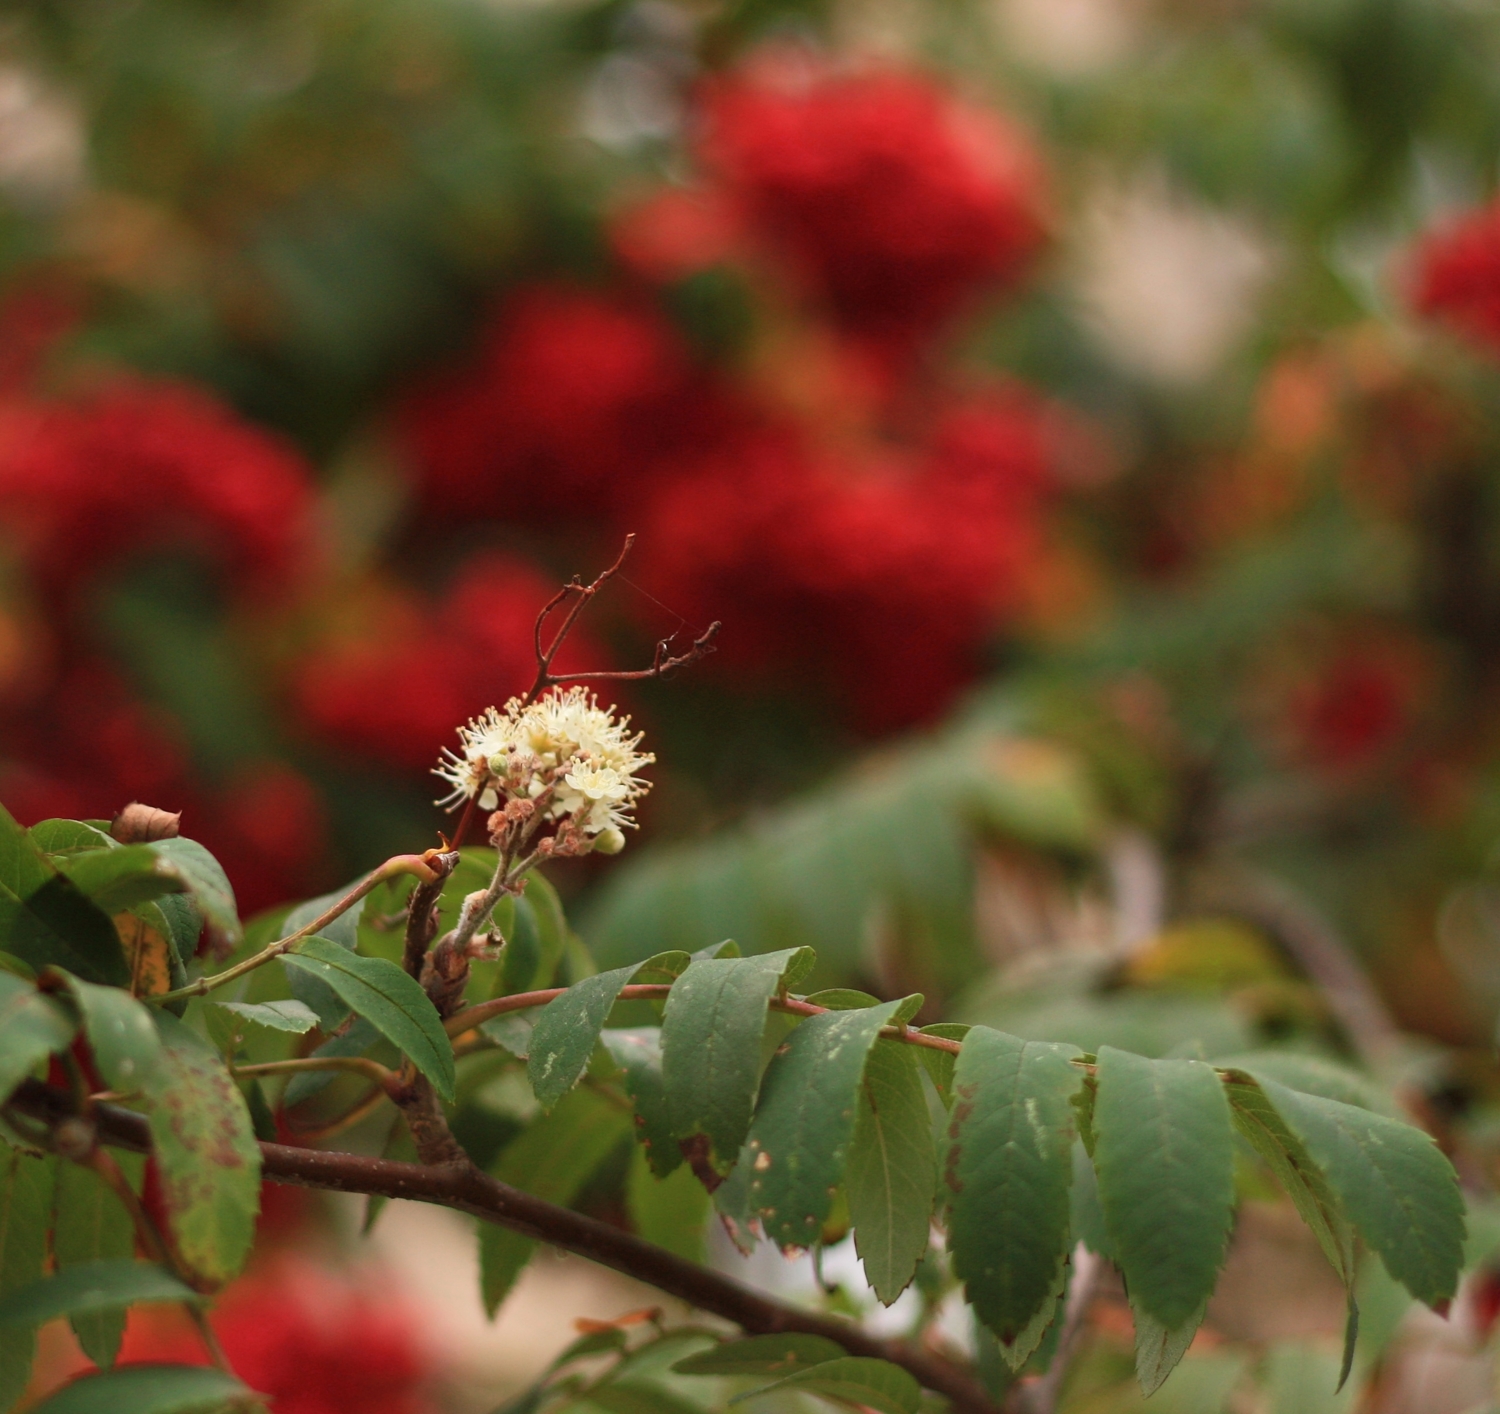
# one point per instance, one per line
(561, 760)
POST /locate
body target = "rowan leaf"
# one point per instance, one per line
(121, 1032)
(25, 1215)
(45, 918)
(891, 1176)
(32, 1027)
(90, 1288)
(638, 1054)
(121, 878)
(92, 1227)
(553, 1158)
(568, 1027)
(852, 1379)
(940, 1063)
(206, 1154)
(1164, 1157)
(762, 1355)
(1159, 1348)
(799, 1138)
(1392, 1182)
(206, 881)
(289, 1015)
(1257, 1119)
(711, 1031)
(1007, 1171)
(388, 998)
(150, 1389)
(671, 1211)
(638, 1397)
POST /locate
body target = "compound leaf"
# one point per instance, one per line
(206, 1154)
(762, 1355)
(1393, 1184)
(1008, 1169)
(711, 1031)
(32, 1027)
(800, 1135)
(149, 1389)
(25, 1214)
(92, 1287)
(91, 1228)
(638, 1054)
(892, 1170)
(856, 1380)
(1164, 1157)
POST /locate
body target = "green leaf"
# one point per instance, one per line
(800, 1135)
(1393, 1184)
(892, 1171)
(1158, 1349)
(638, 1054)
(44, 918)
(90, 1227)
(1008, 1169)
(121, 1033)
(1164, 1156)
(1257, 1119)
(69, 837)
(206, 881)
(117, 879)
(537, 939)
(762, 1355)
(206, 1154)
(149, 1389)
(568, 1027)
(671, 1211)
(553, 1158)
(711, 1031)
(32, 1027)
(384, 995)
(1313, 1075)
(290, 1015)
(92, 1287)
(511, 1032)
(638, 1397)
(853, 1379)
(940, 1063)
(25, 1215)
(1087, 1216)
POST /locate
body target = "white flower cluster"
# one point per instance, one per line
(564, 752)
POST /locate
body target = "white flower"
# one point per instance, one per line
(563, 743)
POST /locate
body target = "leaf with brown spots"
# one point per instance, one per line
(206, 1153)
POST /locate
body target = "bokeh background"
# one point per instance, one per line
(1082, 415)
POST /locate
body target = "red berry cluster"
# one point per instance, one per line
(138, 465)
(1457, 276)
(892, 203)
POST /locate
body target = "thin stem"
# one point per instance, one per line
(363, 1065)
(473, 1016)
(417, 864)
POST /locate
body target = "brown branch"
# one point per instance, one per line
(422, 911)
(661, 662)
(466, 1189)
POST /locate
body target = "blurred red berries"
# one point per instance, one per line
(394, 681)
(138, 465)
(1457, 276)
(894, 203)
(311, 1341)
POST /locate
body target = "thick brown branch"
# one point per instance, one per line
(465, 1188)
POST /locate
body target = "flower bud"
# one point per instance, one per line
(610, 840)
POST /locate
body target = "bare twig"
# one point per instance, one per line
(465, 1188)
(661, 663)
